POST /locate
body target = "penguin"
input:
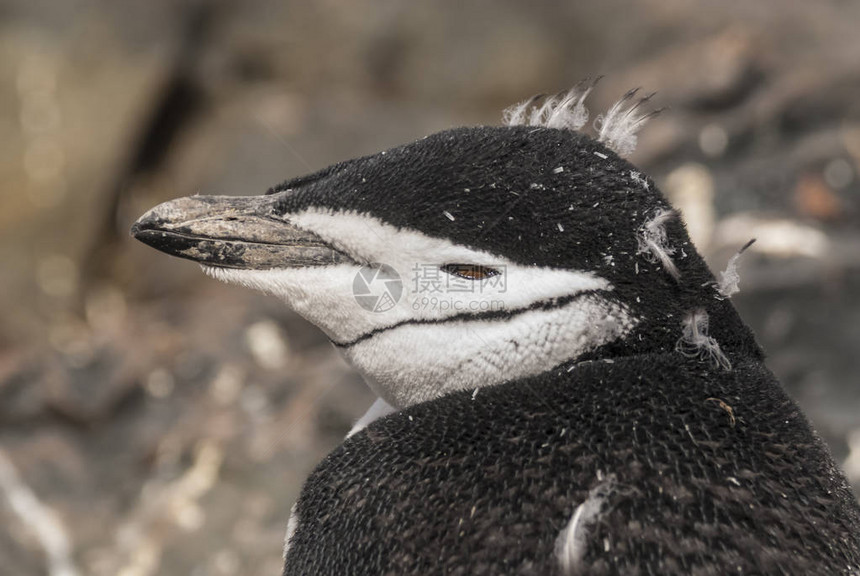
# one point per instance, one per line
(563, 385)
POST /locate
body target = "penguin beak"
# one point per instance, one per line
(241, 232)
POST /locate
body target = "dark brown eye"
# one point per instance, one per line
(470, 271)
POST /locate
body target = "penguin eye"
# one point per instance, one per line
(470, 271)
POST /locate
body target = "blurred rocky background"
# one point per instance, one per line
(153, 421)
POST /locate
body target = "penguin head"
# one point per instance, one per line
(469, 258)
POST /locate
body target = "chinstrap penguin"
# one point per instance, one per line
(564, 387)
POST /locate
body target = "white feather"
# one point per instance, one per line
(696, 343)
(654, 242)
(292, 525)
(572, 542)
(518, 114)
(571, 112)
(617, 128)
(566, 110)
(729, 278)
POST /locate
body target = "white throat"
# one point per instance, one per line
(418, 362)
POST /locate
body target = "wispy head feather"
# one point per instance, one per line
(619, 126)
(563, 110)
(616, 129)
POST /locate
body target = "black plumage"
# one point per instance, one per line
(702, 463)
(717, 471)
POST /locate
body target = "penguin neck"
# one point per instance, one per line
(661, 327)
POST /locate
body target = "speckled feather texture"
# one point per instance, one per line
(714, 472)
(614, 416)
(503, 187)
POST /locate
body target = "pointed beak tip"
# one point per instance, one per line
(146, 223)
(135, 229)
